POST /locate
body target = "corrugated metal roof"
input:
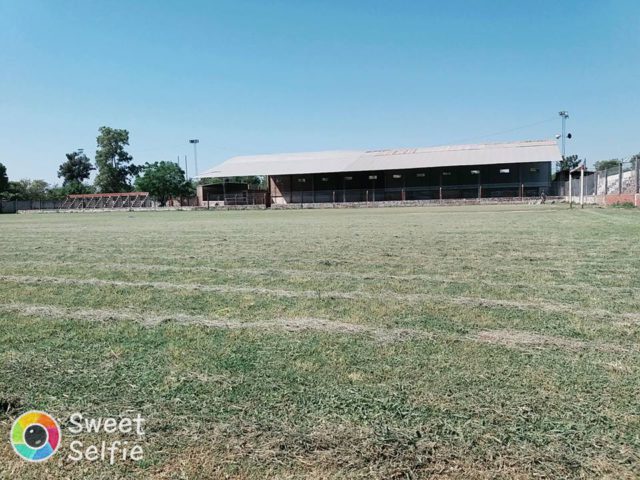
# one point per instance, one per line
(354, 161)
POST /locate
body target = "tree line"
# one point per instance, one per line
(116, 173)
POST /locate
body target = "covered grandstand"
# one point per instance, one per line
(514, 169)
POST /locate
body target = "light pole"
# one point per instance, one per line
(564, 114)
(195, 143)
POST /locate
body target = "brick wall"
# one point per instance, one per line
(624, 198)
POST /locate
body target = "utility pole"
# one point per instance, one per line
(195, 142)
(186, 167)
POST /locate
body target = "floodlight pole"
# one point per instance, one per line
(195, 142)
(564, 115)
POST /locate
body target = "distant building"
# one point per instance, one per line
(515, 169)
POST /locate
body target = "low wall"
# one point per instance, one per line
(145, 209)
(588, 199)
(633, 198)
(416, 203)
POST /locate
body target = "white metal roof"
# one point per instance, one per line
(354, 160)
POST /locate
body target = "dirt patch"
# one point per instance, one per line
(544, 306)
(9, 404)
(538, 305)
(519, 339)
(508, 338)
(449, 279)
(151, 319)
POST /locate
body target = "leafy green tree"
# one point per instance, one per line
(76, 169)
(60, 192)
(188, 189)
(114, 163)
(569, 163)
(4, 179)
(253, 180)
(607, 164)
(164, 180)
(38, 190)
(26, 189)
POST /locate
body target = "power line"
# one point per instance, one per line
(469, 139)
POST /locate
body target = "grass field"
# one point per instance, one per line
(475, 342)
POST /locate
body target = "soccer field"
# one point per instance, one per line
(474, 342)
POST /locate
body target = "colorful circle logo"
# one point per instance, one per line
(35, 436)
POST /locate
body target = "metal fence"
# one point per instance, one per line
(513, 190)
(242, 198)
(12, 206)
(619, 180)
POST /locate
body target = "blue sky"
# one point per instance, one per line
(263, 76)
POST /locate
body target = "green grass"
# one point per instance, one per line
(474, 342)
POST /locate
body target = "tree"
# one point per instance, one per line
(4, 179)
(164, 180)
(607, 164)
(188, 189)
(76, 169)
(569, 163)
(113, 161)
(26, 189)
(256, 181)
(59, 193)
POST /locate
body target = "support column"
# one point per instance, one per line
(520, 181)
(404, 186)
(582, 187)
(570, 190)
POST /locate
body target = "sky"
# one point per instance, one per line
(261, 76)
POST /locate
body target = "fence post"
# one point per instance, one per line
(620, 179)
(595, 185)
(637, 173)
